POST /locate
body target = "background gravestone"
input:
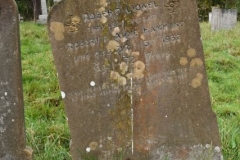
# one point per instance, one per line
(43, 16)
(223, 18)
(133, 79)
(12, 134)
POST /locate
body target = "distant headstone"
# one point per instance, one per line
(210, 17)
(56, 1)
(12, 134)
(223, 18)
(133, 79)
(43, 16)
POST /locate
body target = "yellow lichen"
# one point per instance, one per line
(123, 67)
(196, 83)
(112, 45)
(191, 52)
(139, 67)
(93, 145)
(103, 3)
(123, 39)
(199, 76)
(142, 37)
(103, 19)
(196, 62)
(129, 75)
(122, 81)
(58, 29)
(183, 61)
(114, 75)
(101, 9)
(135, 54)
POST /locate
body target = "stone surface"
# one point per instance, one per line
(12, 134)
(133, 79)
(223, 18)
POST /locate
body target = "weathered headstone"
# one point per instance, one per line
(43, 16)
(223, 18)
(133, 79)
(12, 134)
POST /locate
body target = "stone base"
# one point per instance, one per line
(197, 152)
(42, 19)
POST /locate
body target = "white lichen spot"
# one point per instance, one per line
(207, 145)
(63, 94)
(123, 67)
(92, 83)
(217, 149)
(5, 93)
(109, 138)
(88, 149)
(166, 116)
(122, 81)
(115, 60)
(13, 120)
(103, 19)
(115, 31)
(112, 45)
(100, 146)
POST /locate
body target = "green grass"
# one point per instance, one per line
(47, 131)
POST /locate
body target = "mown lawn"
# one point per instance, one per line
(47, 131)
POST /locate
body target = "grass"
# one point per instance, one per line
(47, 131)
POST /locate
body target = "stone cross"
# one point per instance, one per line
(43, 16)
(133, 79)
(12, 134)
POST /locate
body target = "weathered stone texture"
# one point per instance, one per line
(12, 134)
(133, 78)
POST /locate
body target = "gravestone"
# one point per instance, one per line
(223, 18)
(43, 16)
(133, 79)
(12, 134)
(210, 17)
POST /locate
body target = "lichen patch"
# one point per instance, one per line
(58, 29)
(196, 62)
(183, 61)
(139, 67)
(115, 31)
(93, 146)
(112, 45)
(123, 67)
(196, 83)
(191, 52)
(103, 19)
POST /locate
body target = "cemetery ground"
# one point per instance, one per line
(46, 125)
